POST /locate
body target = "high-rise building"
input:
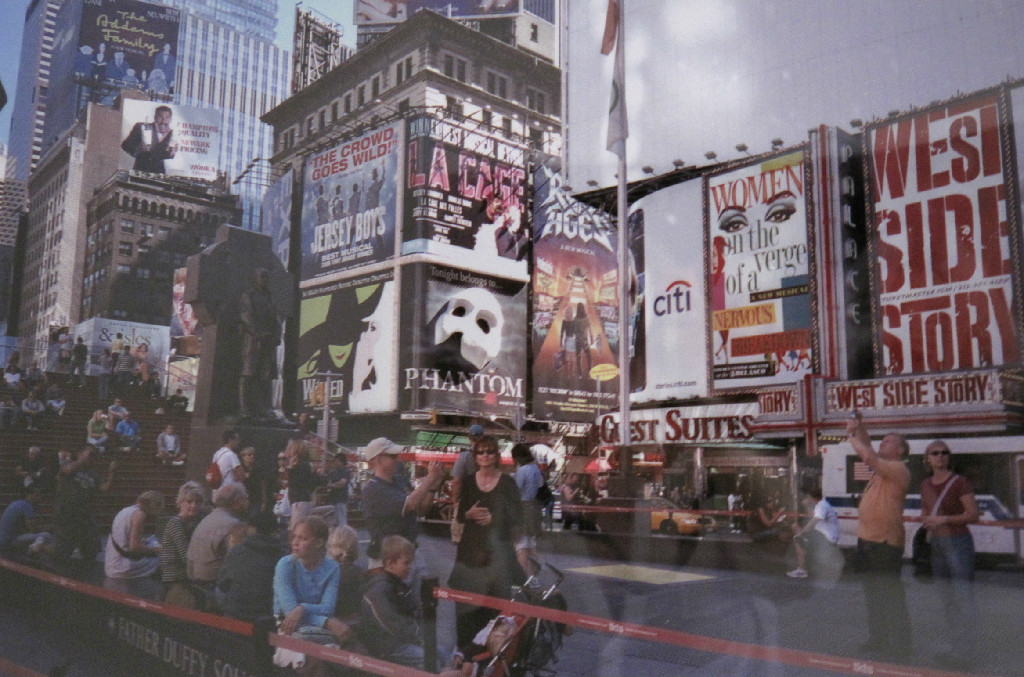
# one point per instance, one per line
(29, 112)
(12, 206)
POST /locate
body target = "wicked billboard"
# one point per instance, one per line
(465, 197)
(349, 203)
(347, 330)
(575, 318)
(466, 341)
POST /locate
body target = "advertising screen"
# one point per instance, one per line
(466, 342)
(575, 318)
(465, 197)
(941, 238)
(671, 310)
(170, 139)
(277, 214)
(393, 11)
(126, 44)
(758, 273)
(347, 329)
(349, 203)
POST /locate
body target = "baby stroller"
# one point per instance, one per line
(521, 646)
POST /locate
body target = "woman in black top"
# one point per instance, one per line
(485, 562)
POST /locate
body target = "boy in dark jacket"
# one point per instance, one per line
(245, 584)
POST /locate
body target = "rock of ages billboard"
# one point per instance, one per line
(465, 197)
(349, 203)
(575, 305)
(347, 328)
(758, 274)
(466, 346)
(938, 188)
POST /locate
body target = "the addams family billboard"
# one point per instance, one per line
(348, 329)
(466, 346)
(759, 273)
(465, 197)
(349, 203)
(126, 44)
(938, 194)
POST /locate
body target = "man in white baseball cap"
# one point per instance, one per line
(390, 505)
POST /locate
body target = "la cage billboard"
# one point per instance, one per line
(350, 203)
(347, 328)
(127, 44)
(575, 320)
(466, 197)
(464, 341)
(759, 274)
(939, 185)
(170, 139)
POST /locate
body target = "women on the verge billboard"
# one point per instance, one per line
(170, 139)
(759, 273)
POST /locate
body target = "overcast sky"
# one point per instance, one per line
(706, 75)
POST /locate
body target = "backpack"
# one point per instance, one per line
(214, 478)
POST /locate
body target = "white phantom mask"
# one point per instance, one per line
(476, 315)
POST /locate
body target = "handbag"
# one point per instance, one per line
(921, 550)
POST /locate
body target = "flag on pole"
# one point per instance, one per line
(618, 124)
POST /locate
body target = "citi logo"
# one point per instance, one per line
(676, 299)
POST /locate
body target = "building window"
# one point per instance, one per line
(143, 248)
(449, 65)
(323, 120)
(123, 269)
(454, 67)
(146, 229)
(487, 117)
(453, 105)
(142, 273)
(537, 137)
(348, 103)
(127, 226)
(408, 67)
(375, 86)
(399, 74)
(536, 101)
(534, 36)
(506, 126)
(403, 105)
(165, 231)
(334, 112)
(497, 84)
(124, 248)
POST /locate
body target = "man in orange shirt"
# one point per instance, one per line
(880, 538)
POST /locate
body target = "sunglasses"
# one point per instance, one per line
(944, 452)
(479, 452)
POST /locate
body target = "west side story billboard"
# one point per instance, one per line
(348, 328)
(128, 44)
(575, 320)
(350, 203)
(464, 341)
(758, 272)
(170, 139)
(393, 11)
(466, 197)
(945, 246)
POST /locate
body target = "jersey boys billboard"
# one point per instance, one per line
(464, 341)
(465, 197)
(758, 274)
(349, 203)
(575, 306)
(348, 328)
(937, 190)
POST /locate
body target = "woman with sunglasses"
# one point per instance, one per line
(947, 507)
(485, 562)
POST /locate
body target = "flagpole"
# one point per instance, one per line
(626, 455)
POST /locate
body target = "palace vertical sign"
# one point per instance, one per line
(938, 190)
